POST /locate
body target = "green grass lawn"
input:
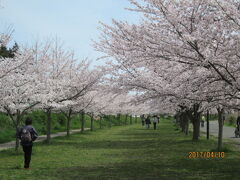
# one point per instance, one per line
(123, 152)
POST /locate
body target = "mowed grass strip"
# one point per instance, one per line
(126, 152)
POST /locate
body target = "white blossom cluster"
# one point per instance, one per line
(182, 53)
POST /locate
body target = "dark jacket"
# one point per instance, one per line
(238, 120)
(33, 132)
(147, 121)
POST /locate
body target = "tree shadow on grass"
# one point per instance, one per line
(140, 144)
(189, 141)
(147, 170)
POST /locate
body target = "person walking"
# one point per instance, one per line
(155, 120)
(148, 122)
(27, 134)
(238, 123)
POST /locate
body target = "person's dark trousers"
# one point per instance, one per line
(27, 155)
(154, 125)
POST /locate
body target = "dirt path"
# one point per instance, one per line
(40, 138)
(228, 132)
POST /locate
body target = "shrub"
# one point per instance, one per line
(231, 120)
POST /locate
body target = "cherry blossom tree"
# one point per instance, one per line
(83, 88)
(64, 80)
(193, 42)
(17, 88)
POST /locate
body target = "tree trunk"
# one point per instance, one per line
(68, 126)
(92, 121)
(100, 122)
(131, 119)
(208, 124)
(196, 122)
(82, 121)
(68, 122)
(17, 140)
(178, 120)
(119, 119)
(49, 123)
(136, 119)
(220, 126)
(17, 129)
(182, 122)
(109, 121)
(126, 117)
(186, 123)
(187, 127)
(196, 127)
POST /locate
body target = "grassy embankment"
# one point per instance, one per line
(59, 123)
(122, 152)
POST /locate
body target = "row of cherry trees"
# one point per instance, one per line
(47, 76)
(183, 56)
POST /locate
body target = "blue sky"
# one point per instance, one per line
(75, 22)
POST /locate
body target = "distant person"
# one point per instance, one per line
(27, 134)
(148, 122)
(155, 120)
(238, 123)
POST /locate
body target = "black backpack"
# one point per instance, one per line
(26, 135)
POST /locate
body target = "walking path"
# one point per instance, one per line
(39, 139)
(228, 132)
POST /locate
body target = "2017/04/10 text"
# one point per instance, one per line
(193, 155)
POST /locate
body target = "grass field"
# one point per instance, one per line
(123, 152)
